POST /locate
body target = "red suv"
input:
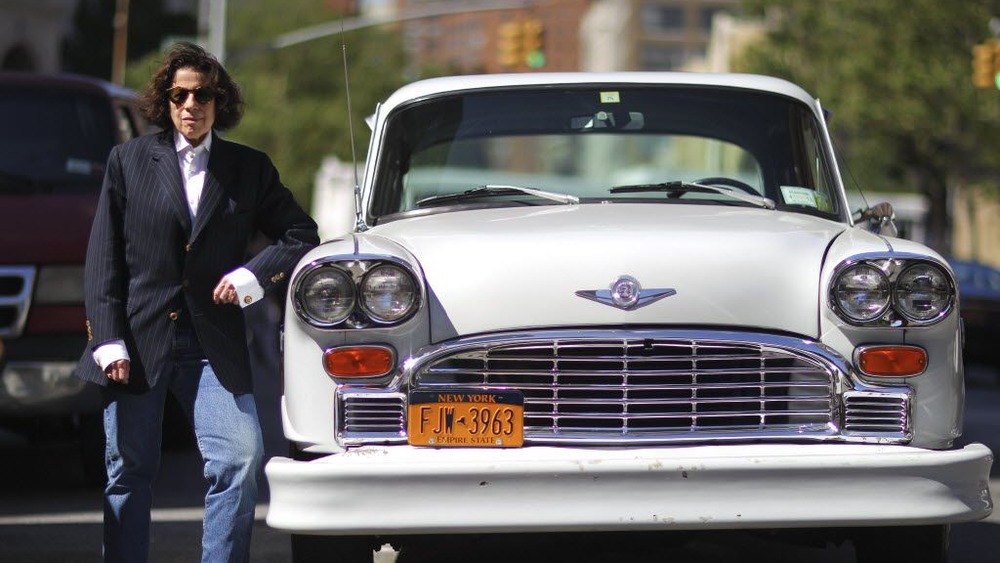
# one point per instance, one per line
(58, 131)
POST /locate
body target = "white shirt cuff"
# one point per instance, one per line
(248, 289)
(110, 352)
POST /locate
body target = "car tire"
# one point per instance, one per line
(913, 544)
(332, 549)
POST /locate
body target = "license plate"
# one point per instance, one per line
(469, 418)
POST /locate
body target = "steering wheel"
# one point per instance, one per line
(731, 182)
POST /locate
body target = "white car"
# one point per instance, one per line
(618, 302)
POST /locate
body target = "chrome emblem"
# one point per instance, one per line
(625, 293)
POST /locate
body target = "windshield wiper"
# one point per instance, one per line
(678, 188)
(490, 190)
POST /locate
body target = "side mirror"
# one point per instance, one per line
(879, 219)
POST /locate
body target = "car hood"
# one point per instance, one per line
(47, 228)
(512, 268)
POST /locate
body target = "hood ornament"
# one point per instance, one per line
(625, 293)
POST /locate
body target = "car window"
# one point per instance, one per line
(55, 138)
(585, 141)
(126, 124)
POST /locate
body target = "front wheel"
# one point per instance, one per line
(332, 549)
(913, 544)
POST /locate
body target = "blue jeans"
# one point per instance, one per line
(229, 438)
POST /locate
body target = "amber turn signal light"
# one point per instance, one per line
(358, 361)
(892, 361)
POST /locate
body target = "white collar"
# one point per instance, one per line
(181, 143)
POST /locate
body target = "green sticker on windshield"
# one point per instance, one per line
(610, 98)
(794, 195)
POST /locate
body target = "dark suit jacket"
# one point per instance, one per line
(147, 263)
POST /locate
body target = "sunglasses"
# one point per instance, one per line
(179, 95)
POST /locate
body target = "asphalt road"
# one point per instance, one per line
(48, 514)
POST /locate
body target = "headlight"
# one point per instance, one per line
(388, 293)
(892, 290)
(325, 296)
(923, 293)
(861, 292)
(59, 285)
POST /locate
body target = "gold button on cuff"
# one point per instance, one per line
(248, 299)
(173, 315)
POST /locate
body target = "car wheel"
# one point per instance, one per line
(913, 544)
(339, 549)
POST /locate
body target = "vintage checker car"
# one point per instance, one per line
(618, 302)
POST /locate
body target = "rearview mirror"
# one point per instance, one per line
(879, 219)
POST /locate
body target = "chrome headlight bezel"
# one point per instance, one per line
(896, 313)
(360, 271)
(372, 298)
(855, 283)
(941, 288)
(305, 282)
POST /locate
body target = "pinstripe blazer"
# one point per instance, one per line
(147, 262)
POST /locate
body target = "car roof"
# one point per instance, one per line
(66, 81)
(434, 86)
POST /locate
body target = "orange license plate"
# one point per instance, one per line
(469, 418)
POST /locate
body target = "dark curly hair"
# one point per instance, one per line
(153, 102)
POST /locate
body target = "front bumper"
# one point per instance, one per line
(391, 490)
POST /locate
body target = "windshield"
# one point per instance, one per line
(604, 145)
(53, 139)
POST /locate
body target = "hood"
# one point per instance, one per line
(512, 269)
(46, 228)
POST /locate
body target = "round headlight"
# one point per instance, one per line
(326, 296)
(923, 293)
(388, 293)
(861, 292)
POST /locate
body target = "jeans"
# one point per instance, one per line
(229, 438)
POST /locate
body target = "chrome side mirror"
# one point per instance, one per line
(879, 219)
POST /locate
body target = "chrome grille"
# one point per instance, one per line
(16, 284)
(372, 414)
(876, 413)
(648, 388)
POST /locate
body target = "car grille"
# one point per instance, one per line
(647, 387)
(644, 387)
(16, 283)
(875, 413)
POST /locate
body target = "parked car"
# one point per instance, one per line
(58, 131)
(618, 302)
(979, 290)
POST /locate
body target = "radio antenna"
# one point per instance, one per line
(358, 223)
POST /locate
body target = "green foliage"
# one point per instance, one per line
(296, 97)
(897, 76)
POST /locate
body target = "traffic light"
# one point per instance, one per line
(996, 63)
(533, 41)
(985, 66)
(509, 44)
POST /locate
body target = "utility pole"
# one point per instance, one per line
(119, 52)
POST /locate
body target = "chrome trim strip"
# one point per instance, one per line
(20, 302)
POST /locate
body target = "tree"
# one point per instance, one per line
(897, 75)
(296, 98)
(88, 49)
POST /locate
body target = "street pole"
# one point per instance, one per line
(217, 29)
(119, 52)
